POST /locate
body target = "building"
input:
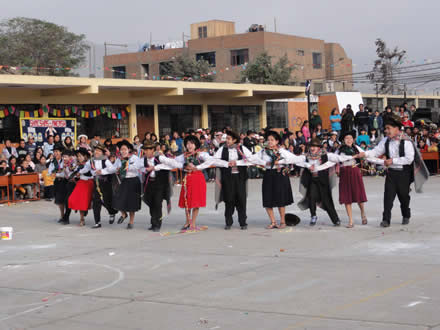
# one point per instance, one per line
(228, 53)
(125, 108)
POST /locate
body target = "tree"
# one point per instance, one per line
(262, 71)
(187, 67)
(385, 67)
(39, 47)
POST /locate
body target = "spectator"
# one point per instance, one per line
(249, 141)
(137, 145)
(28, 160)
(4, 169)
(335, 119)
(315, 120)
(95, 141)
(347, 120)
(422, 146)
(333, 139)
(82, 143)
(13, 164)
(21, 150)
(31, 146)
(9, 150)
(376, 122)
(68, 144)
(48, 146)
(434, 145)
(412, 111)
(305, 130)
(361, 119)
(300, 139)
(374, 137)
(406, 122)
(110, 146)
(363, 138)
(179, 142)
(57, 141)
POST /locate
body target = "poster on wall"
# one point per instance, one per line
(41, 128)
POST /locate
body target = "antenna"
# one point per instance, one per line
(275, 23)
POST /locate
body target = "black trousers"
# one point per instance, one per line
(319, 193)
(153, 197)
(70, 186)
(105, 189)
(234, 195)
(396, 183)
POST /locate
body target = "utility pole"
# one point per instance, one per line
(377, 96)
(308, 83)
(404, 93)
(275, 23)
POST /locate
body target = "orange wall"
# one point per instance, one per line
(297, 113)
(325, 105)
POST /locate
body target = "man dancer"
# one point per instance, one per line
(404, 166)
(233, 179)
(102, 169)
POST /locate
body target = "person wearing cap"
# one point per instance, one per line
(317, 181)
(404, 166)
(82, 142)
(60, 170)
(351, 184)
(127, 196)
(102, 170)
(333, 139)
(81, 197)
(233, 179)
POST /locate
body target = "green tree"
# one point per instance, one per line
(36, 44)
(262, 71)
(386, 67)
(185, 66)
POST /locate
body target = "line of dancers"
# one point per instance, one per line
(121, 183)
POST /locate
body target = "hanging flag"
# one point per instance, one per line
(59, 113)
(109, 114)
(83, 114)
(98, 112)
(102, 109)
(119, 116)
(36, 113)
(87, 114)
(113, 116)
(128, 108)
(21, 113)
(2, 114)
(94, 113)
(124, 114)
(41, 112)
(11, 109)
(6, 112)
(45, 108)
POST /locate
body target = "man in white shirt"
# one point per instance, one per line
(399, 152)
(234, 179)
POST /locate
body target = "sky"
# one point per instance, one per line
(410, 25)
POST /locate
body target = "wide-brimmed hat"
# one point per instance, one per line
(393, 120)
(101, 147)
(352, 133)
(292, 219)
(148, 144)
(58, 148)
(83, 151)
(125, 143)
(316, 142)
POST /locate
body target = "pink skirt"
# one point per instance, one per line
(81, 197)
(351, 186)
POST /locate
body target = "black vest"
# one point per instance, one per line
(409, 168)
(162, 175)
(227, 172)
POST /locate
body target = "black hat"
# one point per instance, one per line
(316, 142)
(352, 133)
(67, 152)
(292, 219)
(125, 143)
(274, 134)
(233, 135)
(101, 147)
(392, 120)
(58, 148)
(84, 152)
(193, 139)
(148, 144)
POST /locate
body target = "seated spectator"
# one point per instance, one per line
(21, 149)
(48, 184)
(48, 146)
(333, 139)
(82, 143)
(300, 139)
(363, 146)
(4, 169)
(318, 130)
(9, 150)
(363, 138)
(31, 146)
(406, 122)
(422, 146)
(434, 145)
(57, 141)
(68, 144)
(13, 164)
(374, 137)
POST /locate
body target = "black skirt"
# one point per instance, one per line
(60, 191)
(127, 196)
(277, 191)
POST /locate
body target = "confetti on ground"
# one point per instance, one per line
(111, 254)
(282, 250)
(189, 231)
(48, 297)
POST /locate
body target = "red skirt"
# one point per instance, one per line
(351, 186)
(193, 193)
(81, 197)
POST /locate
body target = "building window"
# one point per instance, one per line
(429, 103)
(317, 87)
(277, 114)
(317, 60)
(119, 72)
(179, 118)
(208, 57)
(239, 118)
(239, 57)
(203, 32)
(165, 68)
(145, 69)
(300, 52)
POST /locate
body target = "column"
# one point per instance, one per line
(205, 122)
(416, 102)
(156, 119)
(263, 115)
(385, 102)
(132, 122)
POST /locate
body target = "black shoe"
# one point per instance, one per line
(60, 220)
(85, 213)
(405, 221)
(156, 229)
(97, 225)
(150, 228)
(186, 227)
(384, 224)
(129, 226)
(337, 223)
(65, 222)
(121, 219)
(227, 227)
(111, 219)
(243, 227)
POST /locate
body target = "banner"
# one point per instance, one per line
(41, 128)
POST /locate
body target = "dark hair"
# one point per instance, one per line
(274, 134)
(22, 140)
(333, 111)
(233, 135)
(193, 139)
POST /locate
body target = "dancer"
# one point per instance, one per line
(317, 181)
(102, 170)
(277, 191)
(232, 181)
(404, 166)
(81, 197)
(56, 170)
(351, 184)
(127, 197)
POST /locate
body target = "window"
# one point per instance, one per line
(317, 87)
(429, 103)
(179, 118)
(165, 68)
(145, 69)
(277, 114)
(203, 32)
(239, 57)
(300, 52)
(208, 57)
(317, 60)
(239, 118)
(119, 72)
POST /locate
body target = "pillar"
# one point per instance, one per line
(416, 102)
(263, 115)
(156, 119)
(205, 122)
(385, 102)
(132, 122)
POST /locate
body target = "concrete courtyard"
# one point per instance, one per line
(67, 277)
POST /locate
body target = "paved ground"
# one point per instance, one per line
(66, 277)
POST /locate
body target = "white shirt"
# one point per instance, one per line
(233, 155)
(109, 167)
(263, 159)
(86, 169)
(51, 170)
(166, 164)
(12, 153)
(207, 160)
(398, 161)
(134, 165)
(350, 162)
(333, 159)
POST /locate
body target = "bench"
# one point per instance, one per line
(432, 156)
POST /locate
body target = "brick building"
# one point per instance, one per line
(227, 52)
